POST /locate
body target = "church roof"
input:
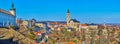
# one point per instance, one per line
(6, 12)
(12, 8)
(74, 20)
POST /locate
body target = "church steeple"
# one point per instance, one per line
(68, 17)
(13, 10)
(68, 11)
(12, 7)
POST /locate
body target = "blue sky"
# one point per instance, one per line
(55, 10)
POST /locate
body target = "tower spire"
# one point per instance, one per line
(12, 7)
(13, 10)
(68, 11)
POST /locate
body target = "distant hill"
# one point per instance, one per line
(51, 21)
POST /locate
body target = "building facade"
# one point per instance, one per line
(72, 23)
(8, 18)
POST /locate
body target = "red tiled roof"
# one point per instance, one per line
(38, 33)
(53, 23)
(83, 25)
(97, 36)
(70, 43)
(6, 12)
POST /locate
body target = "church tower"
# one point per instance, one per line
(68, 17)
(13, 10)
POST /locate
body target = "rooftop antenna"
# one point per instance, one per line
(104, 23)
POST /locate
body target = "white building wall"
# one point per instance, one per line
(7, 20)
